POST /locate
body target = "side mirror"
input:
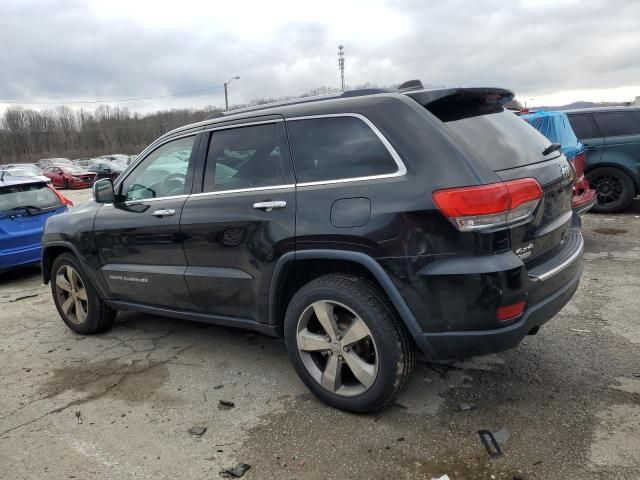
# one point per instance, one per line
(103, 191)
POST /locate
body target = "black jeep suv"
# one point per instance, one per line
(359, 226)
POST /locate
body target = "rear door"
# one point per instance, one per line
(55, 174)
(241, 221)
(589, 135)
(621, 130)
(138, 237)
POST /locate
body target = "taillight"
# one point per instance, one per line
(490, 206)
(64, 200)
(579, 162)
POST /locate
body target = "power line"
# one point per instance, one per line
(118, 100)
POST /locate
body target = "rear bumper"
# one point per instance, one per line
(583, 202)
(458, 345)
(471, 326)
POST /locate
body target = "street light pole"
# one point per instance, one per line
(226, 95)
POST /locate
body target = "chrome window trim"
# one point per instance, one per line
(243, 190)
(402, 169)
(557, 269)
(240, 125)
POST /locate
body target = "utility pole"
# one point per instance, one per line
(341, 65)
(226, 95)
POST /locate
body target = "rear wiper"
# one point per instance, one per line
(28, 208)
(554, 147)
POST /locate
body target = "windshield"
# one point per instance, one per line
(37, 196)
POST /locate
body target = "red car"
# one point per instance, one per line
(69, 176)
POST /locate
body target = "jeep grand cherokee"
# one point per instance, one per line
(360, 227)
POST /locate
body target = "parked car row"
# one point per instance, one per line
(64, 173)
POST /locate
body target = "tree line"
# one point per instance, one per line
(27, 135)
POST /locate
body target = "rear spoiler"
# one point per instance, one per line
(476, 95)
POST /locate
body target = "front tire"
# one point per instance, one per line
(615, 189)
(347, 343)
(78, 303)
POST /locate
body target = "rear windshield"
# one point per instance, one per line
(36, 196)
(500, 137)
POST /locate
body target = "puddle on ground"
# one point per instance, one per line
(134, 383)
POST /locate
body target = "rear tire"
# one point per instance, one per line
(78, 303)
(363, 363)
(615, 188)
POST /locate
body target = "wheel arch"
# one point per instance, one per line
(285, 280)
(52, 250)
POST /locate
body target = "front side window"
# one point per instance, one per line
(162, 173)
(246, 157)
(614, 124)
(336, 148)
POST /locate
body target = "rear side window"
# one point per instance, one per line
(336, 148)
(501, 138)
(614, 124)
(247, 157)
(36, 196)
(583, 126)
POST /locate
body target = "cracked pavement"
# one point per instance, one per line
(568, 397)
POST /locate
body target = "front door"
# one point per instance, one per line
(242, 221)
(138, 237)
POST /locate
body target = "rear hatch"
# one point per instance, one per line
(513, 150)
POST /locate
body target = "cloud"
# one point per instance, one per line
(70, 49)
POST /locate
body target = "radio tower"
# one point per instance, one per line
(341, 65)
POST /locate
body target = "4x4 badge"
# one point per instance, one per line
(524, 252)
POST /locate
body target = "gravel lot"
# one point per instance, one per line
(568, 399)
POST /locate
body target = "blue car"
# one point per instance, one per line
(25, 205)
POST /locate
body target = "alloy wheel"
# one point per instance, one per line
(72, 294)
(608, 187)
(337, 348)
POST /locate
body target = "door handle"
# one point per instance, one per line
(165, 212)
(271, 205)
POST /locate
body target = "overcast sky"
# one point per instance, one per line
(552, 51)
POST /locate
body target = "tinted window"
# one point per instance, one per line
(583, 126)
(614, 124)
(502, 139)
(38, 196)
(337, 148)
(162, 173)
(246, 157)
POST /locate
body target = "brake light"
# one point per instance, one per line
(579, 162)
(510, 312)
(490, 206)
(64, 200)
